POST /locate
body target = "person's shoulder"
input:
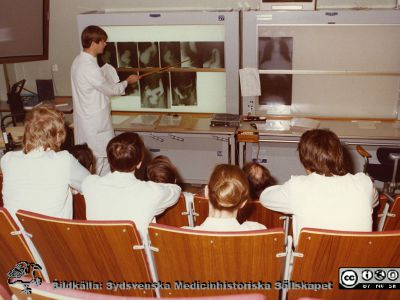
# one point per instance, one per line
(11, 155)
(90, 180)
(361, 177)
(250, 225)
(161, 186)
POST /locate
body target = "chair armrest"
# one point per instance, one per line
(364, 153)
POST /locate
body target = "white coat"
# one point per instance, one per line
(91, 93)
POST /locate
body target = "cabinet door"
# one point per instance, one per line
(194, 155)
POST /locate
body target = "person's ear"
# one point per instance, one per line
(139, 165)
(243, 204)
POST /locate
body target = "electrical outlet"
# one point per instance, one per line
(54, 68)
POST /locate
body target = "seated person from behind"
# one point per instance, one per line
(85, 156)
(259, 179)
(328, 197)
(160, 169)
(37, 178)
(227, 191)
(119, 195)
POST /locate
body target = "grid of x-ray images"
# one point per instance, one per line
(168, 88)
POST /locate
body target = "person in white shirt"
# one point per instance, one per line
(90, 94)
(328, 197)
(227, 192)
(39, 177)
(119, 195)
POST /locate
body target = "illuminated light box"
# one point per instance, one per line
(189, 60)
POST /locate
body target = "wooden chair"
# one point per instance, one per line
(195, 257)
(200, 207)
(392, 221)
(320, 254)
(1, 190)
(79, 207)
(176, 215)
(379, 212)
(255, 211)
(98, 251)
(13, 247)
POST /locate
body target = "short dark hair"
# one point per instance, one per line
(125, 152)
(160, 169)
(259, 178)
(85, 156)
(320, 151)
(92, 34)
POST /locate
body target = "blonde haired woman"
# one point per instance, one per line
(38, 178)
(227, 192)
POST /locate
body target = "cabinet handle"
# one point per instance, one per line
(222, 139)
(157, 138)
(177, 138)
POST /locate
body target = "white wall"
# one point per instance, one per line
(64, 40)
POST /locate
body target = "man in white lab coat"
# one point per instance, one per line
(91, 93)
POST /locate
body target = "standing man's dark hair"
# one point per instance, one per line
(92, 34)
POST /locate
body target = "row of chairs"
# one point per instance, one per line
(187, 263)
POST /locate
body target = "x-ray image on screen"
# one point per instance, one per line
(212, 54)
(275, 89)
(183, 85)
(275, 53)
(170, 54)
(154, 90)
(148, 55)
(190, 55)
(131, 89)
(127, 55)
(108, 56)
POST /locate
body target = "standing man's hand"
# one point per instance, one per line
(132, 79)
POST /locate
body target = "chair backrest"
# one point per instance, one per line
(190, 258)
(98, 251)
(378, 211)
(176, 215)
(79, 207)
(15, 101)
(325, 251)
(255, 211)
(392, 221)
(13, 247)
(200, 203)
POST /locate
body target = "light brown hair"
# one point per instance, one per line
(259, 178)
(44, 127)
(125, 152)
(92, 34)
(320, 151)
(228, 187)
(160, 169)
